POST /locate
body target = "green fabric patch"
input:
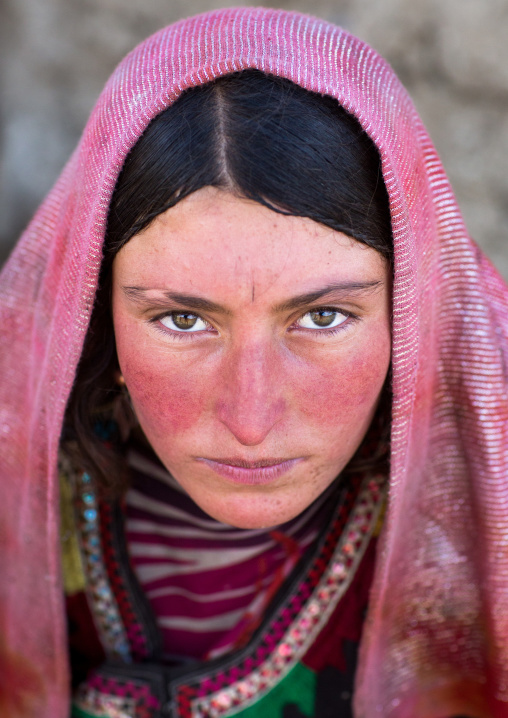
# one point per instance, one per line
(80, 713)
(298, 687)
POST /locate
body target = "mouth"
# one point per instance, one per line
(251, 472)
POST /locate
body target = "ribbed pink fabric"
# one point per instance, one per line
(437, 637)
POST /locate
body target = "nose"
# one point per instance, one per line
(250, 398)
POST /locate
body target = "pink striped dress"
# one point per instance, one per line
(208, 583)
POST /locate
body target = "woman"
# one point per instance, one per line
(433, 644)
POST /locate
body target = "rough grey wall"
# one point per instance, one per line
(452, 55)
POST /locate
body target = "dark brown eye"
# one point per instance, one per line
(183, 322)
(322, 319)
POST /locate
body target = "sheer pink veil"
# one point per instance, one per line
(436, 638)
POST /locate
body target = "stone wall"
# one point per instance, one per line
(452, 55)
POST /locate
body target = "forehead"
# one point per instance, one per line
(215, 241)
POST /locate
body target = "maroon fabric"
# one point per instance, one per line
(435, 642)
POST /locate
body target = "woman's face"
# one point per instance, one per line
(254, 347)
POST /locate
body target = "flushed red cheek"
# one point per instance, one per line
(345, 393)
(166, 402)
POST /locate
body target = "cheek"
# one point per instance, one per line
(168, 396)
(164, 402)
(344, 389)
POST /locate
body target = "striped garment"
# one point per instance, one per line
(208, 583)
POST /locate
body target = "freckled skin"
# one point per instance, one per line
(251, 384)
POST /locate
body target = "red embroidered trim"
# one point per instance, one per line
(133, 628)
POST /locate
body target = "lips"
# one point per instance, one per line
(251, 473)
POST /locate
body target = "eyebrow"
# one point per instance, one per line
(339, 290)
(138, 295)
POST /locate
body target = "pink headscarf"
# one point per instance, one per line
(436, 640)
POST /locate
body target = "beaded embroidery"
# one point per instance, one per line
(109, 697)
(133, 628)
(102, 600)
(105, 704)
(291, 644)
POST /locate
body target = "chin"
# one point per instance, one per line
(251, 522)
(246, 511)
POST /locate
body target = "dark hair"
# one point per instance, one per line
(259, 136)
